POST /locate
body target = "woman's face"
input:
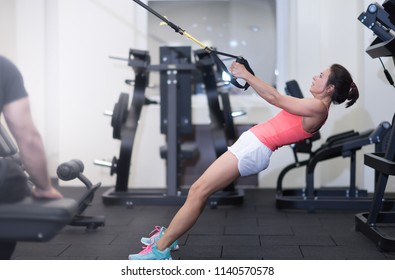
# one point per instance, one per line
(319, 84)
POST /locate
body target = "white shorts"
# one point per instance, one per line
(253, 156)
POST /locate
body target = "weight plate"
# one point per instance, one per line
(119, 115)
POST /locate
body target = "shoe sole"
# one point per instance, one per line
(175, 248)
(169, 259)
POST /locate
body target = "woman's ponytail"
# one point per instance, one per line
(345, 88)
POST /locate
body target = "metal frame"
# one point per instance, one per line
(347, 197)
(172, 194)
(376, 223)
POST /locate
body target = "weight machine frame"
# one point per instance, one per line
(172, 194)
(377, 223)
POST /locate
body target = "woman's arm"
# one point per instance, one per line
(307, 107)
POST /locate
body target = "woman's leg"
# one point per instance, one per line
(219, 175)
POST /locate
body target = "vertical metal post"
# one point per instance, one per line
(382, 180)
(353, 187)
(172, 133)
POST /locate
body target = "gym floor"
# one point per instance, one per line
(254, 230)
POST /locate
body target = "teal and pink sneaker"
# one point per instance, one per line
(151, 252)
(155, 234)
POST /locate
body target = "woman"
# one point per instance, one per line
(298, 119)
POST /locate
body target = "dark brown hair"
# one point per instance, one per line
(345, 88)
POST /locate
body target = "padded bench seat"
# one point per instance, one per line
(35, 220)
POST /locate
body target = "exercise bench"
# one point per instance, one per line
(39, 220)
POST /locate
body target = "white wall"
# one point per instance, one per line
(7, 28)
(62, 48)
(90, 82)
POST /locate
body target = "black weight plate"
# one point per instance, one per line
(119, 115)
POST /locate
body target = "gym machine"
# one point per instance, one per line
(176, 85)
(126, 120)
(24, 218)
(378, 223)
(222, 127)
(344, 145)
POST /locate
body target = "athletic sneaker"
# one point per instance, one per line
(151, 253)
(154, 237)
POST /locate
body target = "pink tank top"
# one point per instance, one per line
(283, 129)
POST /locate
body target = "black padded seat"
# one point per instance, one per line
(35, 220)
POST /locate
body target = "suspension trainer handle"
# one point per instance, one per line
(244, 61)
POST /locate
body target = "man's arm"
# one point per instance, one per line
(19, 120)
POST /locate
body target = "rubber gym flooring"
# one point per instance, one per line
(253, 230)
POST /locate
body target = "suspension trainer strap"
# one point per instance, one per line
(212, 52)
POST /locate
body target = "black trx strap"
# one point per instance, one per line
(212, 52)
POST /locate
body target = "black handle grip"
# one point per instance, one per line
(243, 61)
(214, 54)
(70, 170)
(389, 78)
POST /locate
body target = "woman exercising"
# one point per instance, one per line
(298, 119)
